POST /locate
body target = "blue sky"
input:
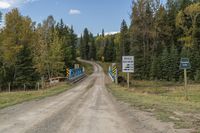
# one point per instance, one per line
(93, 14)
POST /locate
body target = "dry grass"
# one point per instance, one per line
(165, 100)
(12, 98)
(88, 68)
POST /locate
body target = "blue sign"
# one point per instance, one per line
(185, 63)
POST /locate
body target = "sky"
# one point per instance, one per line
(93, 14)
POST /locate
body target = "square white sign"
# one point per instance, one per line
(128, 64)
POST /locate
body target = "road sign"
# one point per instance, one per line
(128, 64)
(185, 63)
(67, 72)
(114, 70)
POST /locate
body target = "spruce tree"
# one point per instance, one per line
(165, 65)
(25, 71)
(73, 39)
(155, 72)
(197, 76)
(86, 39)
(124, 39)
(0, 17)
(82, 48)
(174, 64)
(92, 48)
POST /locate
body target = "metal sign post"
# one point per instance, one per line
(185, 64)
(128, 67)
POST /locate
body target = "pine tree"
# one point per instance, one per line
(82, 48)
(124, 39)
(197, 76)
(92, 48)
(155, 72)
(25, 71)
(102, 34)
(0, 17)
(86, 39)
(174, 64)
(73, 40)
(165, 65)
(109, 50)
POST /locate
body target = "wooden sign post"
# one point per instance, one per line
(185, 64)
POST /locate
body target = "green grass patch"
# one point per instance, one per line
(105, 66)
(88, 67)
(12, 98)
(165, 100)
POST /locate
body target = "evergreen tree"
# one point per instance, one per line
(0, 17)
(197, 76)
(92, 48)
(109, 50)
(25, 71)
(165, 65)
(73, 39)
(102, 34)
(155, 72)
(86, 39)
(124, 39)
(174, 64)
(82, 48)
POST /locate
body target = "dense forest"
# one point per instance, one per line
(158, 36)
(30, 53)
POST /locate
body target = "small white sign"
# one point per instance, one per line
(128, 64)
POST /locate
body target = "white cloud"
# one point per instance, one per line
(74, 12)
(111, 33)
(5, 4)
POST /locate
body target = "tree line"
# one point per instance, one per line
(31, 52)
(158, 36)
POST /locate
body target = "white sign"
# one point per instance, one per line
(128, 64)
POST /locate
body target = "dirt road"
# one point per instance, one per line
(87, 108)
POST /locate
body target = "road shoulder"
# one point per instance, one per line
(142, 121)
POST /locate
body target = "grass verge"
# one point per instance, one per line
(12, 98)
(164, 100)
(88, 67)
(105, 66)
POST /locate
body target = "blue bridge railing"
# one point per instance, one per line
(75, 73)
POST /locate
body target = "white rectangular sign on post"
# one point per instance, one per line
(128, 64)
